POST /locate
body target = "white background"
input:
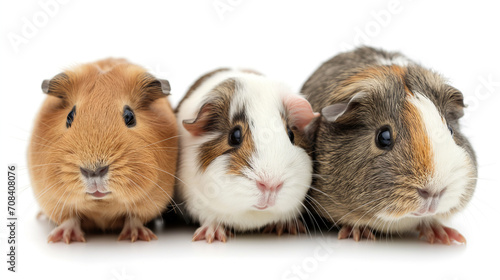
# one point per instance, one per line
(180, 40)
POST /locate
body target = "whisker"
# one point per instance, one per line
(166, 139)
(55, 207)
(341, 218)
(308, 231)
(147, 195)
(310, 215)
(322, 207)
(63, 205)
(156, 184)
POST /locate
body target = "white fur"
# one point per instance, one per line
(215, 197)
(452, 167)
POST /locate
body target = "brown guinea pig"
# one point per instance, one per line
(388, 149)
(103, 151)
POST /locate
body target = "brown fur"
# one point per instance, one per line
(216, 120)
(240, 157)
(142, 159)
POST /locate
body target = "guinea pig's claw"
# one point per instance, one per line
(279, 229)
(134, 230)
(211, 233)
(437, 232)
(291, 227)
(453, 234)
(135, 234)
(67, 231)
(356, 233)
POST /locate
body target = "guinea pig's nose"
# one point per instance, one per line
(426, 194)
(267, 186)
(99, 172)
(423, 193)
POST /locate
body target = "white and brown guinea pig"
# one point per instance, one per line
(103, 150)
(388, 149)
(243, 163)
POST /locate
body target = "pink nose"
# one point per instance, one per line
(267, 186)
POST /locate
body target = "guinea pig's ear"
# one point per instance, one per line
(333, 112)
(164, 86)
(201, 124)
(300, 112)
(455, 104)
(154, 88)
(55, 86)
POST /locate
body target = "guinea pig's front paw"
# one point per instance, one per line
(356, 233)
(135, 230)
(436, 231)
(211, 232)
(291, 227)
(68, 231)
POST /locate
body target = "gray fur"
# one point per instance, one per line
(354, 179)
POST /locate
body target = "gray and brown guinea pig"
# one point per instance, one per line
(103, 150)
(388, 151)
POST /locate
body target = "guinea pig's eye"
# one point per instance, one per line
(235, 136)
(384, 138)
(290, 134)
(129, 117)
(450, 129)
(70, 117)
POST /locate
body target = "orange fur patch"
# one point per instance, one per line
(368, 78)
(422, 156)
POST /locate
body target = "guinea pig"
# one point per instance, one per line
(243, 163)
(103, 151)
(388, 149)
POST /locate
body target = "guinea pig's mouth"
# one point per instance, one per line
(98, 194)
(423, 213)
(261, 207)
